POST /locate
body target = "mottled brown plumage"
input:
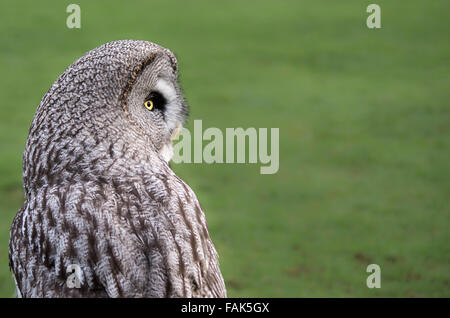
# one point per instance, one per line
(99, 191)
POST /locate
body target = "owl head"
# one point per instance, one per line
(125, 90)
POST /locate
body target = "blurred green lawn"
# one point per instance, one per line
(364, 122)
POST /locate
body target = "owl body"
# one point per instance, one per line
(100, 194)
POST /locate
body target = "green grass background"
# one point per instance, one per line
(364, 122)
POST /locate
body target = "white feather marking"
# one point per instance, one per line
(170, 94)
(24, 216)
(167, 152)
(19, 295)
(167, 90)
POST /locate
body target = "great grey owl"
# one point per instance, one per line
(101, 201)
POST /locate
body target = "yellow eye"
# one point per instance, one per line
(148, 104)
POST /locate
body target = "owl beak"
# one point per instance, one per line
(176, 132)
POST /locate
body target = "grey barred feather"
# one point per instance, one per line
(99, 191)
